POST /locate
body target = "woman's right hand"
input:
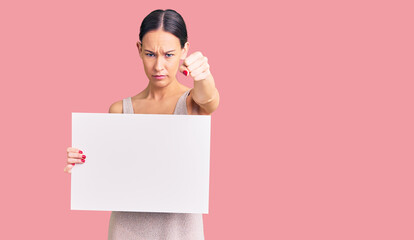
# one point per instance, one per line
(74, 156)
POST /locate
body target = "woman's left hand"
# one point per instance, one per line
(197, 66)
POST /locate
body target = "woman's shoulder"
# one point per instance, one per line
(116, 107)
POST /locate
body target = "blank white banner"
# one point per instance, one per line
(141, 162)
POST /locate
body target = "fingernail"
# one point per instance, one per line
(185, 72)
(73, 164)
(80, 152)
(83, 156)
(83, 160)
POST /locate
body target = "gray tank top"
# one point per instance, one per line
(180, 107)
(156, 226)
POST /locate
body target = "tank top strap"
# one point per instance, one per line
(181, 106)
(127, 106)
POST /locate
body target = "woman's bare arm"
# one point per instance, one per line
(204, 93)
(116, 107)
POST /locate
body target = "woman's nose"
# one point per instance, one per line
(159, 65)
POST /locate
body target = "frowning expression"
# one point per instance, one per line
(161, 53)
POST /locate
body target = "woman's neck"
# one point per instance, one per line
(158, 93)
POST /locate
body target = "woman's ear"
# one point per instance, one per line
(184, 51)
(139, 46)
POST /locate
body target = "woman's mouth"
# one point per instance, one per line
(159, 76)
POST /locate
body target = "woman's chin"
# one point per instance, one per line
(159, 83)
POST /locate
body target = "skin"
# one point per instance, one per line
(161, 96)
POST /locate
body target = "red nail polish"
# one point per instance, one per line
(185, 72)
(73, 164)
(83, 156)
(80, 152)
(83, 160)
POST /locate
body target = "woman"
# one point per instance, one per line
(163, 43)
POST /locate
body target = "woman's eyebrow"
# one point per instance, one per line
(165, 52)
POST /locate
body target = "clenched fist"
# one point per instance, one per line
(197, 66)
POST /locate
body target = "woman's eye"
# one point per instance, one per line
(168, 54)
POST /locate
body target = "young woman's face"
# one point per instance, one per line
(161, 53)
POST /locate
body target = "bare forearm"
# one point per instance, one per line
(205, 94)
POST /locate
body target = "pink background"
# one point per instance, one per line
(313, 138)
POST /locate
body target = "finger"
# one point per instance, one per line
(184, 70)
(199, 70)
(202, 75)
(75, 160)
(68, 168)
(192, 58)
(198, 63)
(75, 155)
(74, 150)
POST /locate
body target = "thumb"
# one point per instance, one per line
(184, 70)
